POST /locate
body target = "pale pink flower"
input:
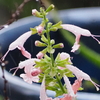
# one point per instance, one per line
(26, 64)
(18, 43)
(31, 75)
(81, 75)
(78, 31)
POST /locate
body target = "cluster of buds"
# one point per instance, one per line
(44, 68)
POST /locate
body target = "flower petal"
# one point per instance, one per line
(43, 95)
(26, 78)
(19, 42)
(76, 85)
(69, 87)
(81, 75)
(76, 30)
(25, 53)
(75, 47)
(66, 97)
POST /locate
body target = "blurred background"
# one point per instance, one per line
(7, 7)
(87, 64)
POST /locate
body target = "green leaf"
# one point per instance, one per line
(44, 39)
(58, 57)
(62, 63)
(58, 25)
(34, 31)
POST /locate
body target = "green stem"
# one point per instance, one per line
(60, 84)
(51, 55)
(52, 58)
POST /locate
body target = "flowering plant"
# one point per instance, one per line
(46, 69)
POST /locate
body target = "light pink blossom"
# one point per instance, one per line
(26, 64)
(81, 75)
(18, 43)
(78, 31)
(31, 75)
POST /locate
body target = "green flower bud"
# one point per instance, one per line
(36, 13)
(34, 31)
(39, 44)
(44, 39)
(57, 25)
(52, 41)
(53, 29)
(60, 45)
(49, 25)
(51, 7)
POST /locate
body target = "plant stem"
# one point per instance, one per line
(60, 84)
(51, 55)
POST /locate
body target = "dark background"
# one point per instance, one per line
(7, 7)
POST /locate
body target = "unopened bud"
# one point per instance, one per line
(53, 29)
(36, 13)
(40, 29)
(34, 31)
(49, 25)
(52, 41)
(41, 54)
(51, 7)
(39, 44)
(57, 25)
(44, 39)
(60, 45)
